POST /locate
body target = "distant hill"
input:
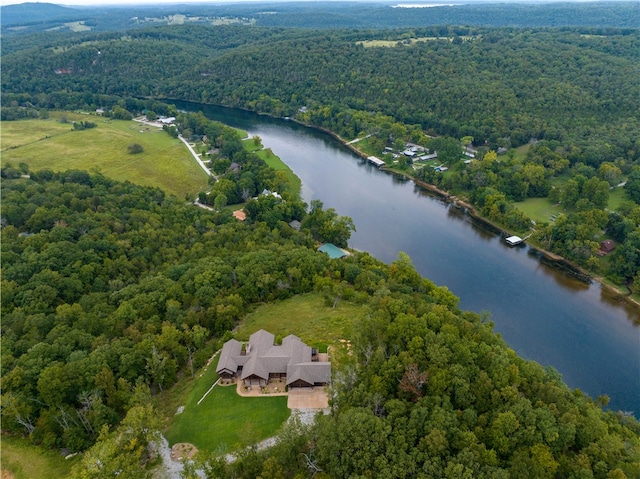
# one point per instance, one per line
(322, 14)
(34, 12)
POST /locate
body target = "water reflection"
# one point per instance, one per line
(586, 333)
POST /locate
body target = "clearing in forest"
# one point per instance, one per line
(52, 143)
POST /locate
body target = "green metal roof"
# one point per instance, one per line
(332, 250)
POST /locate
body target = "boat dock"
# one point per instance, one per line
(376, 161)
(515, 240)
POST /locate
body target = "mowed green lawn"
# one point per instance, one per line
(274, 161)
(305, 315)
(165, 161)
(224, 421)
(26, 461)
(540, 210)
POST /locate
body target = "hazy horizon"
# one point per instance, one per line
(88, 3)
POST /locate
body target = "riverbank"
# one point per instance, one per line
(553, 259)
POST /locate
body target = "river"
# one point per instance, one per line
(582, 330)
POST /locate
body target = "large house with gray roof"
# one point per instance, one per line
(261, 360)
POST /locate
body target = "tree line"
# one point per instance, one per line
(572, 92)
(110, 290)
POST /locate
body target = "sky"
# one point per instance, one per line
(119, 2)
(156, 2)
(115, 2)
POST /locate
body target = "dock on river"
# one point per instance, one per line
(376, 161)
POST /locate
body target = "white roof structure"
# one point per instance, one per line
(514, 240)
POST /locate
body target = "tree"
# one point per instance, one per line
(120, 113)
(124, 452)
(135, 148)
(448, 148)
(327, 226)
(195, 338)
(220, 202)
(633, 185)
(610, 173)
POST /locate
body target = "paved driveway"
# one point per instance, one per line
(308, 398)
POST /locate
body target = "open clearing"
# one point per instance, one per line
(26, 461)
(408, 41)
(539, 210)
(164, 163)
(305, 315)
(224, 421)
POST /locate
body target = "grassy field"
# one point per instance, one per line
(393, 43)
(274, 161)
(224, 421)
(26, 461)
(307, 316)
(521, 152)
(539, 210)
(165, 162)
(616, 197)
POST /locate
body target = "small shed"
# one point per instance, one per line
(240, 215)
(606, 247)
(332, 251)
(295, 224)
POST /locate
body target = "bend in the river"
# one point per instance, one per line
(580, 329)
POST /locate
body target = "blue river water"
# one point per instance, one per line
(590, 336)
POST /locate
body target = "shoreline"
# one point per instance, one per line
(571, 269)
(576, 271)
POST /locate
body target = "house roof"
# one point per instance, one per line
(310, 373)
(263, 357)
(332, 250)
(607, 246)
(295, 224)
(228, 357)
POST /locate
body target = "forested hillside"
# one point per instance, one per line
(108, 287)
(488, 84)
(571, 92)
(24, 19)
(110, 290)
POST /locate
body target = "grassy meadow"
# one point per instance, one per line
(224, 421)
(26, 461)
(305, 315)
(165, 161)
(540, 210)
(274, 161)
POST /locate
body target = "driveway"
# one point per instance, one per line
(308, 398)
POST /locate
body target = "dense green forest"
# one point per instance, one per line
(111, 290)
(572, 93)
(25, 19)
